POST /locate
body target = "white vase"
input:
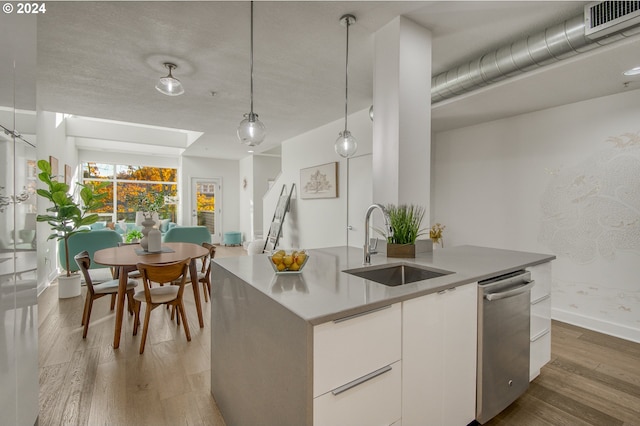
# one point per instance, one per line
(69, 286)
(154, 240)
(148, 226)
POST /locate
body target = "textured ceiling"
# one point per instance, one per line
(102, 59)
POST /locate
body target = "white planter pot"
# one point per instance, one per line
(68, 286)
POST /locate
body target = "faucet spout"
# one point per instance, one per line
(367, 218)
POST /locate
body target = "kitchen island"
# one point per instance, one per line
(283, 346)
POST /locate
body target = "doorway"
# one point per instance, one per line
(206, 205)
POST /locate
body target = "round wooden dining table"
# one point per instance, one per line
(126, 257)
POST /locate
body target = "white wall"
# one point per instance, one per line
(246, 213)
(265, 168)
(228, 171)
(564, 181)
(316, 222)
(127, 158)
(52, 140)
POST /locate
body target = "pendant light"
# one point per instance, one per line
(346, 145)
(251, 131)
(170, 85)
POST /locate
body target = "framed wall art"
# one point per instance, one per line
(67, 174)
(319, 181)
(54, 165)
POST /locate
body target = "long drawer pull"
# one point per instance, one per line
(359, 314)
(541, 299)
(360, 380)
(539, 335)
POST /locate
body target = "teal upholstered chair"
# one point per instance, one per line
(91, 242)
(187, 234)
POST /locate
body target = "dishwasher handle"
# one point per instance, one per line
(511, 292)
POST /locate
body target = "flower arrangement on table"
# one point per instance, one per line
(435, 233)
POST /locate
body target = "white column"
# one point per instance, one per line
(402, 115)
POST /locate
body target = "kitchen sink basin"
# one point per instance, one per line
(397, 274)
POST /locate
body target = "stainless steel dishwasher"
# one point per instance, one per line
(503, 342)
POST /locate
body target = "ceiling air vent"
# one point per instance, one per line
(606, 17)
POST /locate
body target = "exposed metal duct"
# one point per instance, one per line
(551, 45)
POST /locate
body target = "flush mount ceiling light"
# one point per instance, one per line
(251, 131)
(346, 145)
(170, 85)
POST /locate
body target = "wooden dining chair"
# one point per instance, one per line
(204, 274)
(96, 291)
(170, 295)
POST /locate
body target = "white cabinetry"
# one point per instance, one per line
(439, 357)
(540, 318)
(357, 369)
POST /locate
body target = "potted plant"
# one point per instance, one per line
(66, 217)
(133, 236)
(405, 222)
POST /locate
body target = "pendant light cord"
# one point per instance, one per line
(251, 114)
(346, 78)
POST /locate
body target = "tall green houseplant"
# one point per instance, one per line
(405, 221)
(66, 216)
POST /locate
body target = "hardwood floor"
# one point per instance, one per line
(592, 379)
(87, 382)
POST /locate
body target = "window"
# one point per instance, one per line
(128, 183)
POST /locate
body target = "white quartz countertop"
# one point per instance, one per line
(322, 292)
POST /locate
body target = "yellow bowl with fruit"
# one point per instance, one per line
(288, 262)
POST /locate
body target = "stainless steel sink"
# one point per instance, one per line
(397, 273)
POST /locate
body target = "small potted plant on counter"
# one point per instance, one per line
(405, 222)
(435, 233)
(66, 217)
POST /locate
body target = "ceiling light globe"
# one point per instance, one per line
(170, 86)
(251, 130)
(346, 145)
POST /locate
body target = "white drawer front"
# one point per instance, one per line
(372, 403)
(540, 317)
(541, 274)
(540, 354)
(344, 351)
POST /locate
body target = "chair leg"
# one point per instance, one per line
(145, 327)
(204, 290)
(184, 320)
(136, 318)
(88, 318)
(130, 301)
(86, 305)
(113, 301)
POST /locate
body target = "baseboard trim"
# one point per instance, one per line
(601, 326)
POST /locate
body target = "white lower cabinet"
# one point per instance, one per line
(372, 402)
(357, 369)
(540, 334)
(439, 339)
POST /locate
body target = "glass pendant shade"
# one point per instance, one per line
(346, 145)
(251, 130)
(170, 85)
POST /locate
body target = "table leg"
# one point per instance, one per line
(122, 290)
(196, 290)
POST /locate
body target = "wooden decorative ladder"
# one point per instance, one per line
(275, 229)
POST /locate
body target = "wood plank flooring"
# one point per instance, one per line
(592, 379)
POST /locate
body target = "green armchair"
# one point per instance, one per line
(91, 242)
(187, 234)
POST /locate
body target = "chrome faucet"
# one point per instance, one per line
(387, 223)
